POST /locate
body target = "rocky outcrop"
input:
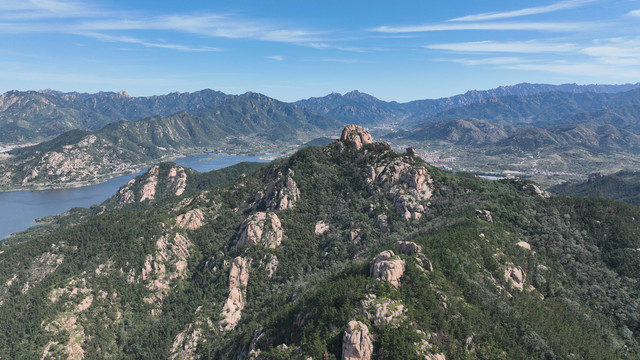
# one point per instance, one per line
(185, 344)
(387, 267)
(238, 279)
(272, 266)
(408, 247)
(321, 228)
(424, 263)
(169, 262)
(281, 192)
(531, 188)
(383, 310)
(381, 223)
(425, 349)
(191, 220)
(145, 187)
(356, 342)
(406, 183)
(354, 136)
(515, 276)
(524, 245)
(261, 228)
(484, 214)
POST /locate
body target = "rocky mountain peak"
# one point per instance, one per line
(354, 136)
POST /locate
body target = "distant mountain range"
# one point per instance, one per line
(474, 132)
(550, 108)
(33, 116)
(249, 122)
(359, 108)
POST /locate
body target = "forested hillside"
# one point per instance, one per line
(350, 250)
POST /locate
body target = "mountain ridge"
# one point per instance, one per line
(350, 248)
(249, 122)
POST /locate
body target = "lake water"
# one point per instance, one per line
(19, 209)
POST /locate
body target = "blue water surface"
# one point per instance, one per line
(19, 209)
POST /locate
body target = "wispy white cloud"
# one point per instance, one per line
(634, 13)
(276, 58)
(209, 25)
(46, 9)
(161, 45)
(45, 16)
(498, 26)
(487, 61)
(341, 61)
(531, 46)
(616, 51)
(562, 5)
(583, 69)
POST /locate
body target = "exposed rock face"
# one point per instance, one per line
(531, 189)
(387, 267)
(356, 342)
(425, 349)
(354, 136)
(272, 266)
(411, 152)
(424, 263)
(281, 192)
(321, 227)
(405, 183)
(185, 343)
(261, 228)
(524, 245)
(169, 262)
(484, 214)
(383, 310)
(408, 247)
(145, 187)
(191, 220)
(381, 223)
(238, 279)
(515, 276)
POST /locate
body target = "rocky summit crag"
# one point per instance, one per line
(347, 251)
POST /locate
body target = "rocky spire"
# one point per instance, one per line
(355, 136)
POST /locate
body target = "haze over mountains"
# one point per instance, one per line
(38, 115)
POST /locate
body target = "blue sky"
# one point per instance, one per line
(395, 50)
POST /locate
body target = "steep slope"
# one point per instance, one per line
(347, 251)
(250, 122)
(32, 116)
(622, 186)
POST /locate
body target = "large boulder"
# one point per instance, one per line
(354, 136)
(356, 342)
(387, 267)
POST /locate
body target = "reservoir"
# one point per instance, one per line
(19, 209)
